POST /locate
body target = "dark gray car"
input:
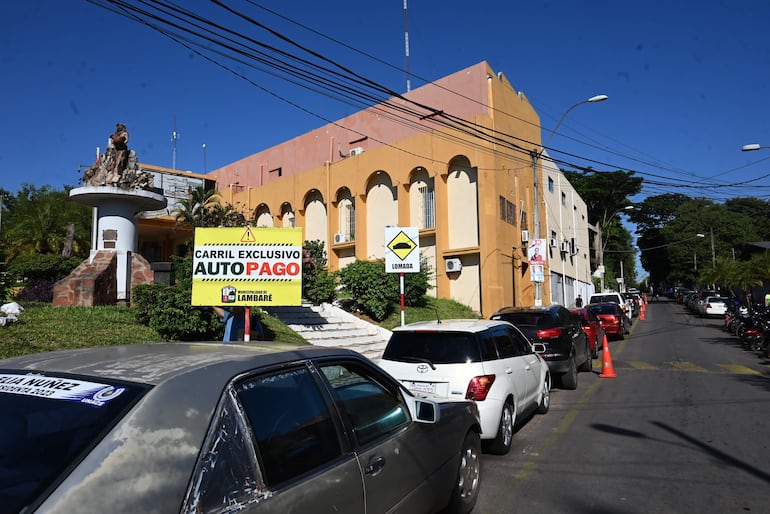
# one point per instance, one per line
(177, 427)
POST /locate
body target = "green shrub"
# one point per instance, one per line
(416, 285)
(369, 286)
(318, 284)
(41, 266)
(168, 311)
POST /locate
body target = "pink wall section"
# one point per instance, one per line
(463, 94)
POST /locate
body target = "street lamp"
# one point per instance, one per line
(535, 154)
(752, 147)
(603, 243)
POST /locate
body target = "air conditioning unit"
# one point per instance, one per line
(552, 242)
(565, 246)
(356, 151)
(573, 249)
(341, 238)
(453, 265)
(525, 236)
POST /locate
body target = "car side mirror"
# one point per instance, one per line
(538, 347)
(422, 410)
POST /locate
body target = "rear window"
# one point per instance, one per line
(602, 298)
(534, 319)
(715, 299)
(435, 347)
(46, 424)
(604, 309)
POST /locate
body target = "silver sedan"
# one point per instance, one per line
(177, 427)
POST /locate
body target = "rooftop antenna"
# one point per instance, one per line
(174, 137)
(406, 45)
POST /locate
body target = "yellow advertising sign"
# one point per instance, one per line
(247, 266)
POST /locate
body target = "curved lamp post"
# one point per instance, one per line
(535, 157)
(751, 147)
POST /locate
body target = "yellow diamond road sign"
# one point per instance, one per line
(402, 246)
(402, 255)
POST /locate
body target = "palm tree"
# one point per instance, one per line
(37, 222)
(192, 210)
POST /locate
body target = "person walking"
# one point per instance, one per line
(579, 301)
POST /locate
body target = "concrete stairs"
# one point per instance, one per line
(327, 325)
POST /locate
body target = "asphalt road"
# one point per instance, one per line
(683, 428)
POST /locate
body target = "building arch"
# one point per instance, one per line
(463, 203)
(316, 217)
(381, 211)
(263, 217)
(287, 216)
(422, 203)
(345, 204)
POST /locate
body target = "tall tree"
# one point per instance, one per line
(607, 195)
(37, 220)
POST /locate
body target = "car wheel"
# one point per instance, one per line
(501, 444)
(545, 396)
(466, 490)
(569, 379)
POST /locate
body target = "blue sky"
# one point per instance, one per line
(688, 83)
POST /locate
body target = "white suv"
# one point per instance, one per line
(489, 361)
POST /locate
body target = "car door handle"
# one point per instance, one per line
(376, 463)
(508, 371)
(528, 367)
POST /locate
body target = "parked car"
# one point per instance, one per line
(566, 346)
(490, 362)
(633, 302)
(614, 297)
(182, 427)
(712, 306)
(613, 319)
(593, 328)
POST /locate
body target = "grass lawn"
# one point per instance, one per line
(41, 328)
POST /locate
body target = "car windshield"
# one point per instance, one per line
(434, 347)
(46, 422)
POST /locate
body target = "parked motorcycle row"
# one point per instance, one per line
(750, 325)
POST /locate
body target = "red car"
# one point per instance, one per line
(612, 318)
(592, 327)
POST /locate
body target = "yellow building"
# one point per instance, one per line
(453, 158)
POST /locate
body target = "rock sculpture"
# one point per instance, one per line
(118, 166)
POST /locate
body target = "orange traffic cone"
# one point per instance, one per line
(607, 370)
(641, 312)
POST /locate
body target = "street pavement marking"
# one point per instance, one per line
(739, 370)
(688, 366)
(642, 365)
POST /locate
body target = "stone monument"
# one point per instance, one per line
(117, 189)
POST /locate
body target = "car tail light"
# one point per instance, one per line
(479, 387)
(549, 333)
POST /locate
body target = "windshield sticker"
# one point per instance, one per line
(56, 388)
